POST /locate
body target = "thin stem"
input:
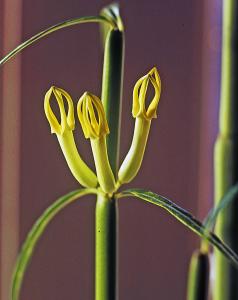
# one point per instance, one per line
(106, 245)
(226, 149)
(104, 172)
(51, 29)
(134, 157)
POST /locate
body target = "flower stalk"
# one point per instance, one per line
(104, 172)
(143, 116)
(82, 173)
(134, 157)
(94, 124)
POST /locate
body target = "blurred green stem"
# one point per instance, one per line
(198, 276)
(226, 154)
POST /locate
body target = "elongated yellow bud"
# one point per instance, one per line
(63, 129)
(140, 93)
(92, 116)
(143, 115)
(67, 121)
(94, 124)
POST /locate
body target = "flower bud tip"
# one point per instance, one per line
(139, 95)
(92, 116)
(67, 120)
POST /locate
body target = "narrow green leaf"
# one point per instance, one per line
(51, 29)
(225, 201)
(185, 218)
(36, 232)
(211, 218)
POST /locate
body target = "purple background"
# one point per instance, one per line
(181, 38)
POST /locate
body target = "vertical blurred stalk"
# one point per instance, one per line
(198, 276)
(226, 153)
(106, 207)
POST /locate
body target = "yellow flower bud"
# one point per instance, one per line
(92, 116)
(63, 130)
(67, 122)
(139, 95)
(94, 124)
(134, 157)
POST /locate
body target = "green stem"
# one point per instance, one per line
(112, 92)
(226, 150)
(106, 245)
(106, 208)
(51, 29)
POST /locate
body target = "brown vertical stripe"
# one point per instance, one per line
(10, 141)
(211, 41)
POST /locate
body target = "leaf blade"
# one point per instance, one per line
(184, 217)
(230, 196)
(36, 232)
(51, 29)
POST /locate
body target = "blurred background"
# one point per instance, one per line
(182, 38)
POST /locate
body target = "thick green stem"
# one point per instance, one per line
(106, 245)
(106, 209)
(112, 91)
(226, 153)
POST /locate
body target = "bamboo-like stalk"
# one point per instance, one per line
(226, 153)
(106, 207)
(198, 276)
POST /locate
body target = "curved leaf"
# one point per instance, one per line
(184, 217)
(225, 201)
(51, 29)
(36, 232)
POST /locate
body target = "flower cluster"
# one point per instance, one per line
(94, 124)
